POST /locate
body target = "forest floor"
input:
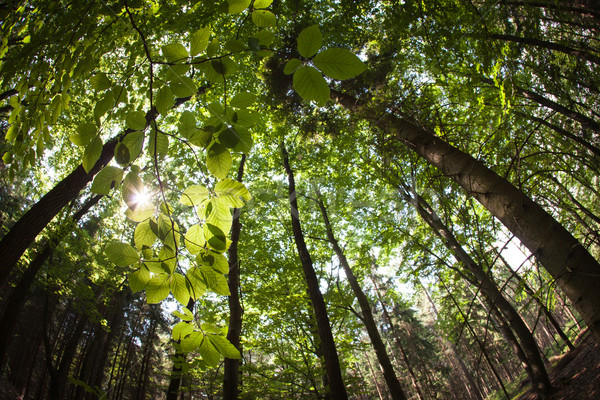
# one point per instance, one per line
(576, 375)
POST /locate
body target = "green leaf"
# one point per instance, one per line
(105, 179)
(291, 66)
(194, 195)
(85, 133)
(310, 85)
(103, 105)
(140, 213)
(92, 154)
(310, 41)
(194, 239)
(132, 189)
(229, 138)
(219, 216)
(134, 142)
(175, 52)
(238, 6)
(122, 254)
(263, 18)
(216, 261)
(265, 37)
(243, 100)
(218, 160)
(100, 82)
(209, 353)
(164, 100)
(215, 238)
(196, 279)
(183, 87)
(224, 346)
(186, 315)
(191, 342)
(158, 288)
(138, 280)
(187, 125)
(199, 41)
(143, 235)
(168, 230)
(246, 142)
(216, 70)
(160, 142)
(235, 46)
(339, 63)
(179, 288)
(181, 329)
(246, 117)
(122, 154)
(168, 257)
(262, 3)
(136, 120)
(232, 192)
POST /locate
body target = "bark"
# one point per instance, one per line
(21, 291)
(231, 375)
(398, 342)
(26, 229)
(542, 306)
(476, 338)
(548, 45)
(367, 314)
(336, 387)
(455, 357)
(533, 361)
(574, 269)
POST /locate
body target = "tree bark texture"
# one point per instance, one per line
(396, 391)
(231, 375)
(533, 362)
(574, 269)
(330, 356)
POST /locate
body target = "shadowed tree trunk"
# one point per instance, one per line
(26, 229)
(336, 388)
(367, 314)
(231, 375)
(533, 361)
(574, 269)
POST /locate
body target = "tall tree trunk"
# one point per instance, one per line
(472, 386)
(578, 53)
(542, 306)
(336, 388)
(26, 229)
(533, 362)
(476, 338)
(231, 376)
(367, 314)
(574, 269)
(397, 340)
(21, 291)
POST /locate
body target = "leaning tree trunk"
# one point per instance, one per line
(336, 388)
(574, 269)
(533, 363)
(20, 292)
(367, 314)
(26, 229)
(231, 376)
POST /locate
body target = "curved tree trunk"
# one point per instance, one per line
(533, 362)
(367, 314)
(231, 375)
(26, 229)
(574, 269)
(337, 390)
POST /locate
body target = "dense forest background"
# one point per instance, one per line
(297, 199)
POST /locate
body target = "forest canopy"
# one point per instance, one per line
(297, 199)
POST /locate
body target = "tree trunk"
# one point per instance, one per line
(397, 340)
(574, 269)
(21, 291)
(330, 356)
(367, 314)
(533, 362)
(26, 229)
(231, 374)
